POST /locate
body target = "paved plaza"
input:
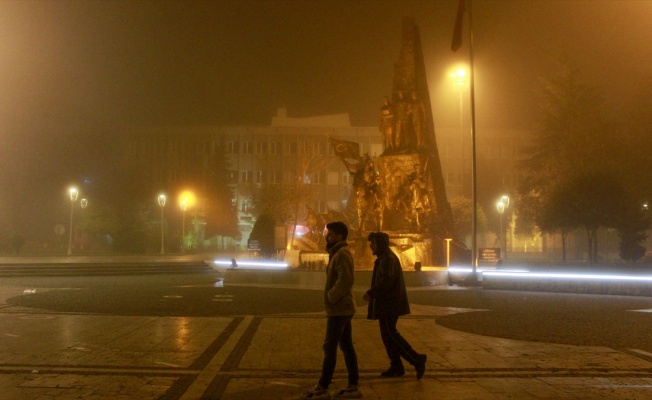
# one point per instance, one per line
(62, 355)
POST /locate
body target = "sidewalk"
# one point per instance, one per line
(73, 356)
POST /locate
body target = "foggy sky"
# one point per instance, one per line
(76, 67)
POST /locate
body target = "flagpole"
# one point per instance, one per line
(473, 278)
(474, 175)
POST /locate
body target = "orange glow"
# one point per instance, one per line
(188, 197)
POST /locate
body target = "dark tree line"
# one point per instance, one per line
(584, 168)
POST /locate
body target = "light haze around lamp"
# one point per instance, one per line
(501, 207)
(460, 82)
(161, 202)
(186, 200)
(83, 203)
(73, 193)
(184, 207)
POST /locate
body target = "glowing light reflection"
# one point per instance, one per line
(553, 275)
(256, 264)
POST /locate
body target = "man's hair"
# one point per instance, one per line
(381, 239)
(339, 228)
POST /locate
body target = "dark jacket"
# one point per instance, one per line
(388, 293)
(338, 292)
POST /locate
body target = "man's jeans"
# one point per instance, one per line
(338, 332)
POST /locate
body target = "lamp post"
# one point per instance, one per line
(161, 203)
(83, 203)
(460, 82)
(501, 206)
(73, 193)
(448, 252)
(184, 207)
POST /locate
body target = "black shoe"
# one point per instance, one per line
(421, 366)
(393, 373)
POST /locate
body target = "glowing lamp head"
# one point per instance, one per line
(188, 198)
(73, 192)
(84, 203)
(161, 200)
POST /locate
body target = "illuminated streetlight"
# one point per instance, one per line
(161, 202)
(184, 207)
(448, 252)
(501, 206)
(83, 203)
(73, 193)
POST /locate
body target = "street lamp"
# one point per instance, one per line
(73, 193)
(83, 203)
(161, 202)
(501, 206)
(184, 207)
(448, 252)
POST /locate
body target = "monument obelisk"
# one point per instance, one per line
(416, 209)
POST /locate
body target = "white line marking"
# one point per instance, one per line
(167, 364)
(645, 353)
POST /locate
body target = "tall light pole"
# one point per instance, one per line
(161, 203)
(184, 207)
(460, 82)
(501, 206)
(73, 193)
(83, 203)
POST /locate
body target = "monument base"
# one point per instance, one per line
(410, 248)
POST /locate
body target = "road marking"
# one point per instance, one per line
(173, 296)
(644, 310)
(199, 386)
(167, 364)
(645, 353)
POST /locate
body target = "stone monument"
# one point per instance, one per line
(402, 192)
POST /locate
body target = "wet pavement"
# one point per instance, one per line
(63, 353)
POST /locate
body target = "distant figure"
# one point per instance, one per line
(234, 264)
(388, 300)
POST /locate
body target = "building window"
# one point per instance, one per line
(246, 176)
(232, 147)
(273, 148)
(247, 147)
(245, 206)
(274, 177)
(233, 176)
(346, 178)
(259, 177)
(318, 178)
(302, 147)
(291, 148)
(261, 147)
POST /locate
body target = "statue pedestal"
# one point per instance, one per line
(409, 247)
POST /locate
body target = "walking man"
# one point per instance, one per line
(388, 300)
(340, 307)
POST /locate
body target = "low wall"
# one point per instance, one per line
(318, 278)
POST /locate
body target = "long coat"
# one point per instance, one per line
(387, 292)
(338, 292)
